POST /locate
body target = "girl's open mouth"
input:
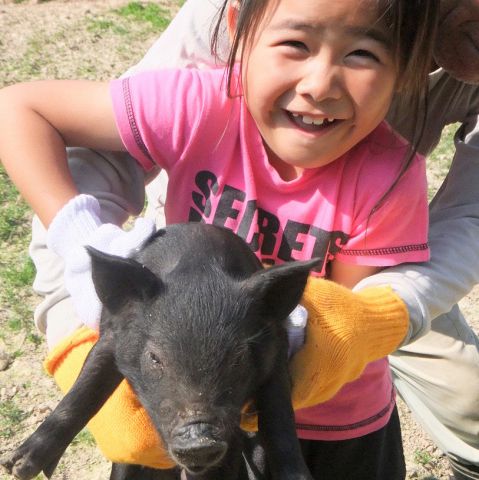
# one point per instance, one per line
(311, 124)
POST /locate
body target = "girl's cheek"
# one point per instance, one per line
(379, 86)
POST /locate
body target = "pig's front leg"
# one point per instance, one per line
(43, 449)
(277, 429)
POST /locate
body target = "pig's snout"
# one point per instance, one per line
(195, 447)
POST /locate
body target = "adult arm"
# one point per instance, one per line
(433, 288)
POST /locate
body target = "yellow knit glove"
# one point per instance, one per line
(346, 330)
(122, 428)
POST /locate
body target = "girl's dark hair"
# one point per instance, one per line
(412, 25)
(413, 28)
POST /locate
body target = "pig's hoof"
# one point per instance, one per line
(21, 465)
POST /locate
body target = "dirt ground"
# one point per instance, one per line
(89, 39)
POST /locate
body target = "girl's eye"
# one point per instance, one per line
(295, 44)
(367, 54)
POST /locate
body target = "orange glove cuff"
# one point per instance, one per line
(122, 428)
(346, 330)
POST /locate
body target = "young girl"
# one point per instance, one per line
(288, 148)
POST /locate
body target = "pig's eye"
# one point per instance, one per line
(154, 360)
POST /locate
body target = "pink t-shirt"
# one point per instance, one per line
(183, 121)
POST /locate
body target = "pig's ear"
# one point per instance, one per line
(118, 280)
(279, 288)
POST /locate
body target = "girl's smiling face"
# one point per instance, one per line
(318, 77)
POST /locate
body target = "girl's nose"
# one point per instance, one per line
(320, 81)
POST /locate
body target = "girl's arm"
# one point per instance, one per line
(349, 275)
(37, 121)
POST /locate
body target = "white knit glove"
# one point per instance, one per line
(78, 224)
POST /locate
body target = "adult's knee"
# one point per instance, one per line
(440, 373)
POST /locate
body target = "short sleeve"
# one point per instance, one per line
(390, 220)
(160, 114)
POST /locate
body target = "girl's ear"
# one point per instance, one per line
(232, 17)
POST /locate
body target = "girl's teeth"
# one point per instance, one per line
(311, 121)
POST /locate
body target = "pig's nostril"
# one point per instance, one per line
(197, 430)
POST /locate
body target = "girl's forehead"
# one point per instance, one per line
(317, 14)
(358, 17)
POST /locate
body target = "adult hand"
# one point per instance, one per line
(346, 330)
